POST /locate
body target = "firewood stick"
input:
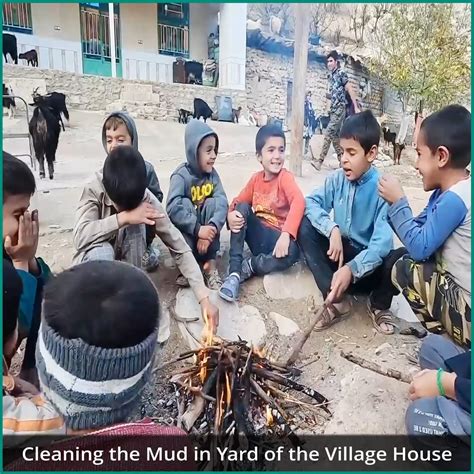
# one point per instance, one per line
(294, 355)
(195, 390)
(267, 399)
(374, 367)
(265, 374)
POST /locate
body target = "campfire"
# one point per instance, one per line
(233, 392)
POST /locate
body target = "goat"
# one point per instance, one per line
(202, 109)
(9, 102)
(397, 152)
(45, 130)
(31, 57)
(10, 47)
(184, 115)
(236, 114)
(56, 101)
(388, 136)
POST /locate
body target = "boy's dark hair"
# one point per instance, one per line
(17, 177)
(12, 289)
(266, 132)
(363, 128)
(333, 54)
(450, 127)
(124, 177)
(114, 122)
(106, 304)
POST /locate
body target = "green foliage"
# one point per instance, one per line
(423, 52)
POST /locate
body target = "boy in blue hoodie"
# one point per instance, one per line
(120, 129)
(197, 204)
(351, 251)
(20, 241)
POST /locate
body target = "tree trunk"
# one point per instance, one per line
(300, 62)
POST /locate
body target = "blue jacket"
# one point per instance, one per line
(359, 212)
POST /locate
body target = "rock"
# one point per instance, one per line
(297, 282)
(286, 327)
(164, 328)
(382, 347)
(246, 323)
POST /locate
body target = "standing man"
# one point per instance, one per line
(338, 86)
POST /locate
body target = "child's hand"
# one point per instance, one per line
(335, 252)
(22, 387)
(207, 232)
(236, 221)
(390, 188)
(339, 284)
(282, 245)
(25, 249)
(212, 312)
(203, 246)
(425, 384)
(145, 213)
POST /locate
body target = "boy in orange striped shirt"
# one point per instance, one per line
(266, 214)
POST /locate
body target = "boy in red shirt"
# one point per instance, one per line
(266, 214)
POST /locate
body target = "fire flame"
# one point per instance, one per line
(269, 416)
(261, 352)
(228, 389)
(208, 330)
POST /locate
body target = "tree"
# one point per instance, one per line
(423, 52)
(322, 17)
(265, 11)
(359, 20)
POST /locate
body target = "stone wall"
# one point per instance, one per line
(267, 84)
(142, 99)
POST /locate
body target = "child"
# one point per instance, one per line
(26, 414)
(197, 204)
(20, 242)
(350, 251)
(435, 276)
(111, 219)
(266, 214)
(119, 129)
(441, 392)
(96, 353)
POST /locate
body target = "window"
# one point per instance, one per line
(173, 29)
(17, 17)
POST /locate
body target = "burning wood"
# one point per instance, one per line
(232, 391)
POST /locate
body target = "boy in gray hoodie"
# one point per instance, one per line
(120, 129)
(197, 204)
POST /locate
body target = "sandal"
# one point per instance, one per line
(380, 316)
(212, 280)
(330, 317)
(182, 281)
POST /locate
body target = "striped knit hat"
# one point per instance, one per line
(92, 387)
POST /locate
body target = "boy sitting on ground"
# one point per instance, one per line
(197, 204)
(26, 414)
(351, 252)
(266, 214)
(120, 129)
(435, 275)
(20, 243)
(96, 351)
(110, 223)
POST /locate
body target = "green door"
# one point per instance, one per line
(95, 39)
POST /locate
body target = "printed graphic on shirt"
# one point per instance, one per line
(263, 210)
(199, 193)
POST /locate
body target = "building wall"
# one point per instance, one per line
(202, 22)
(267, 87)
(57, 49)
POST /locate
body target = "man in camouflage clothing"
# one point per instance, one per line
(338, 85)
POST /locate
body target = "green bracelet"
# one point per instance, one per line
(438, 382)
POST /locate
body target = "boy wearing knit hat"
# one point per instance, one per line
(97, 342)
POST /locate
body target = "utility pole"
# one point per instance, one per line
(300, 63)
(113, 51)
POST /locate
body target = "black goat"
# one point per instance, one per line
(388, 136)
(201, 109)
(10, 47)
(184, 116)
(56, 101)
(45, 130)
(31, 57)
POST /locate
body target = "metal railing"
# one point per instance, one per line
(27, 135)
(173, 39)
(95, 33)
(18, 16)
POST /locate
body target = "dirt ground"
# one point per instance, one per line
(361, 401)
